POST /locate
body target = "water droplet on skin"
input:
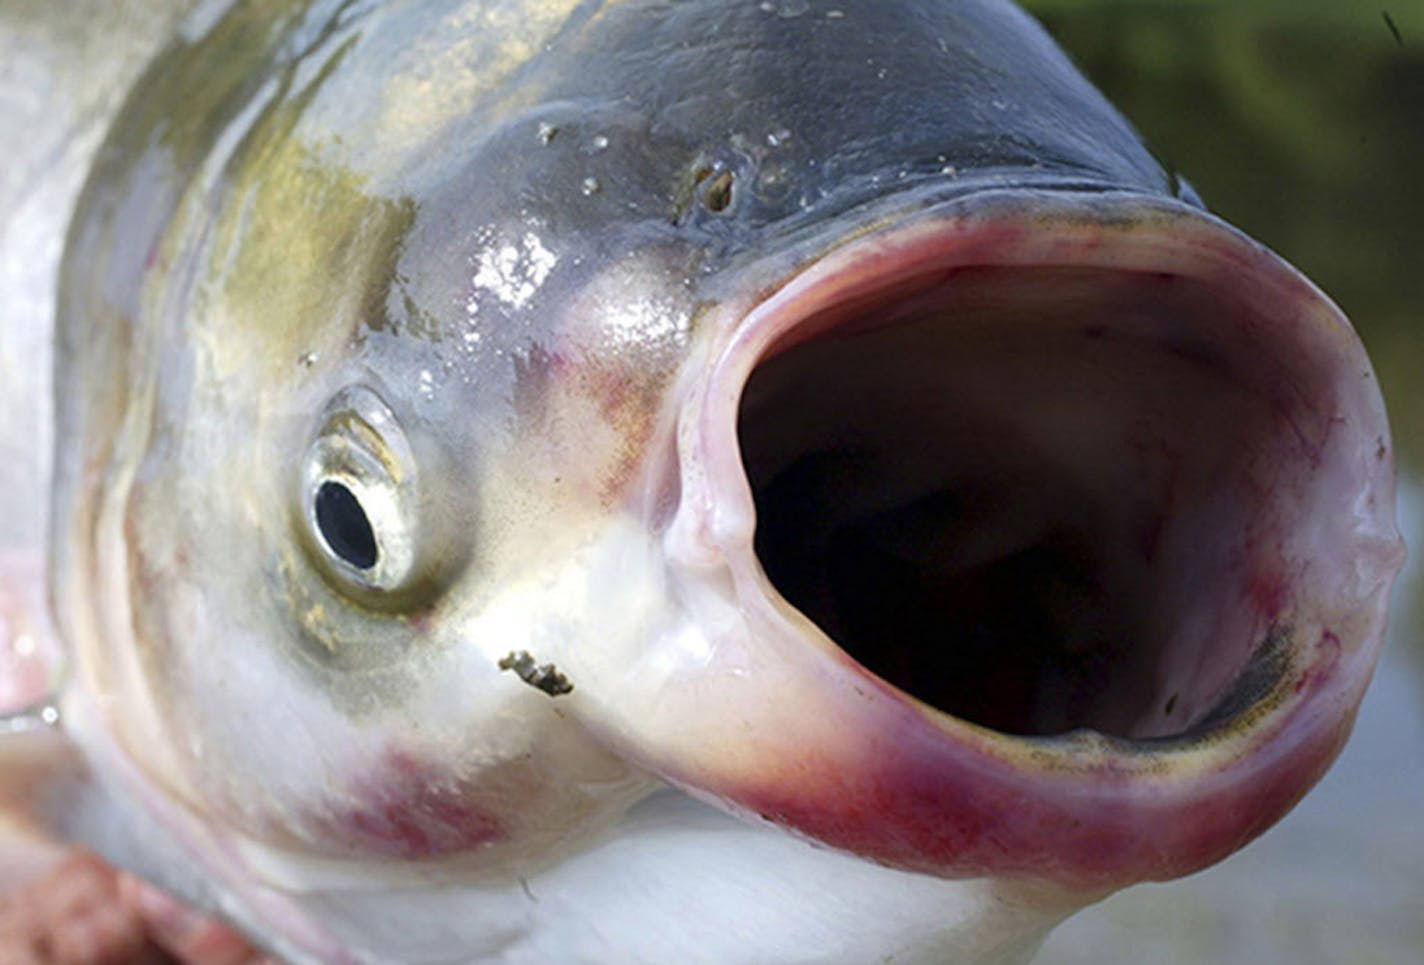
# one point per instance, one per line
(835, 14)
(950, 170)
(306, 360)
(599, 143)
(590, 186)
(778, 137)
(773, 184)
(547, 133)
(427, 383)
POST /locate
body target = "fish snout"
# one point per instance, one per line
(1041, 536)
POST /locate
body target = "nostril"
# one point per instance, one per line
(716, 191)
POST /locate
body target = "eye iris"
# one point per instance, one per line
(344, 525)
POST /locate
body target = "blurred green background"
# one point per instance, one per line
(1302, 122)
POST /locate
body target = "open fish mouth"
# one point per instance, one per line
(1038, 497)
(1063, 526)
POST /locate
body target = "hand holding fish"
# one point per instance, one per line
(84, 912)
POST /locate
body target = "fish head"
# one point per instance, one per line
(499, 417)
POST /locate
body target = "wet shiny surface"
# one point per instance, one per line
(514, 259)
(1310, 154)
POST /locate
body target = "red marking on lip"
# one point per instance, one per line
(938, 810)
(1325, 666)
(1270, 595)
(406, 809)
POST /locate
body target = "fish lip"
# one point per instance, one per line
(910, 242)
(1081, 809)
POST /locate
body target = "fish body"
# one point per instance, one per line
(646, 480)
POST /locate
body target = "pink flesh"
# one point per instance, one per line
(1121, 484)
(28, 656)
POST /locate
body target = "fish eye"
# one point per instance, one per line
(359, 496)
(344, 525)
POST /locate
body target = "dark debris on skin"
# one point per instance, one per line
(545, 677)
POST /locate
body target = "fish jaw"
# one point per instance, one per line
(617, 897)
(1182, 464)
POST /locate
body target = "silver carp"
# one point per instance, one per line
(652, 481)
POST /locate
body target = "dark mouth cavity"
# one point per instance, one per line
(1039, 499)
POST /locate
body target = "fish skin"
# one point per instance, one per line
(527, 303)
(63, 74)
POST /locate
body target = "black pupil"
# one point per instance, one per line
(344, 525)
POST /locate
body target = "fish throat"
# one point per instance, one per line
(1040, 498)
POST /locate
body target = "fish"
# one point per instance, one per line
(630, 480)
